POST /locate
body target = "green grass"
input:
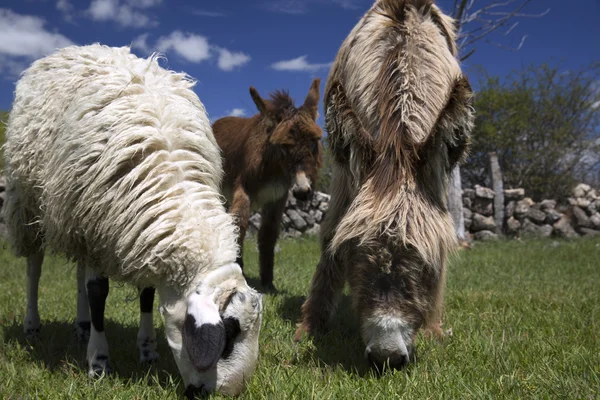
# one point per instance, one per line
(525, 318)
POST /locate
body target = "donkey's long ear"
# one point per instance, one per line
(262, 105)
(311, 103)
(204, 333)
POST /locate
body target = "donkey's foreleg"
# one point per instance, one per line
(34, 271)
(82, 324)
(267, 238)
(146, 338)
(240, 209)
(329, 278)
(97, 349)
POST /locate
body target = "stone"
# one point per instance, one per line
(509, 211)
(582, 202)
(322, 197)
(297, 221)
(514, 194)
(486, 236)
(581, 218)
(310, 220)
(482, 223)
(318, 216)
(589, 232)
(469, 193)
(314, 230)
(546, 205)
(292, 233)
(484, 193)
(314, 203)
(483, 206)
(591, 209)
(564, 229)
(535, 215)
(552, 216)
(591, 195)
(291, 201)
(285, 220)
(528, 228)
(255, 220)
(513, 225)
(467, 202)
(595, 220)
(546, 230)
(468, 223)
(581, 190)
(467, 213)
(324, 206)
(572, 201)
(521, 208)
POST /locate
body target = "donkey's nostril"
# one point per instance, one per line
(395, 360)
(195, 392)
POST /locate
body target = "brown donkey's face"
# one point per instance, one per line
(295, 134)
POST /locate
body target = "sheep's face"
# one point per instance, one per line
(214, 335)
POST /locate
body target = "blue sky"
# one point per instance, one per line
(231, 45)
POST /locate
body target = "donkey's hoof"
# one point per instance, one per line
(269, 288)
(32, 333)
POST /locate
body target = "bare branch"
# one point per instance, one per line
(487, 19)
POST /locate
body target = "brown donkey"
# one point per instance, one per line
(266, 155)
(399, 114)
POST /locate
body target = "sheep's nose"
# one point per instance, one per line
(395, 360)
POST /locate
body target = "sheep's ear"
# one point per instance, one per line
(204, 333)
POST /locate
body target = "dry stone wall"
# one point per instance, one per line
(578, 216)
(523, 217)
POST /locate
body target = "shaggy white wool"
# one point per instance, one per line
(111, 159)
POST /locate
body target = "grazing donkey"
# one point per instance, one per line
(266, 155)
(399, 114)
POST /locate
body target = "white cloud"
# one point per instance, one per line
(287, 6)
(207, 13)
(237, 112)
(299, 64)
(23, 38)
(141, 43)
(66, 8)
(302, 6)
(126, 14)
(229, 60)
(193, 48)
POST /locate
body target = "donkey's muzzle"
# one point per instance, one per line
(302, 189)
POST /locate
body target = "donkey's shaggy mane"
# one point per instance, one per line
(383, 117)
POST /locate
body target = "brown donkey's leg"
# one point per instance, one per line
(240, 209)
(267, 237)
(329, 278)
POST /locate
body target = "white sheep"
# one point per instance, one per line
(110, 159)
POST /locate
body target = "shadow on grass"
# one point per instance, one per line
(58, 348)
(341, 345)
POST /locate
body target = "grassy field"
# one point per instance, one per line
(525, 318)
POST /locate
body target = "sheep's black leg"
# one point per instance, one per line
(97, 350)
(146, 338)
(82, 324)
(34, 271)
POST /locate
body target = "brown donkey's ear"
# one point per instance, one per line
(311, 103)
(262, 105)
